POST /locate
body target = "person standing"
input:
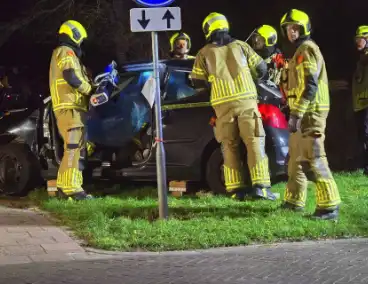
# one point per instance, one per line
(70, 88)
(309, 102)
(360, 91)
(226, 65)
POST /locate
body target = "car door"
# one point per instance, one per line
(185, 118)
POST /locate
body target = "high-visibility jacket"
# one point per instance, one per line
(229, 69)
(307, 86)
(360, 83)
(69, 83)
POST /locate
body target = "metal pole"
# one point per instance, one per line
(160, 150)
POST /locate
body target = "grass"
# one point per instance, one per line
(128, 221)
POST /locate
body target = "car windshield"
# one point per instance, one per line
(179, 86)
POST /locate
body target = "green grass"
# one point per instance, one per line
(128, 221)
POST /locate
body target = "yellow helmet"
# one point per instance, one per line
(214, 22)
(296, 17)
(177, 36)
(74, 30)
(362, 31)
(268, 33)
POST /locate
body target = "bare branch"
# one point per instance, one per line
(8, 30)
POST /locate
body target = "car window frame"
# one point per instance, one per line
(170, 71)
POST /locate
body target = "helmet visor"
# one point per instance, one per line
(258, 42)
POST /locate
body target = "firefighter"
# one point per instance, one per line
(225, 65)
(180, 45)
(309, 102)
(360, 90)
(263, 41)
(70, 88)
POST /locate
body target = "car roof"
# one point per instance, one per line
(147, 65)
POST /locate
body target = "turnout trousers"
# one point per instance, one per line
(239, 121)
(308, 161)
(71, 125)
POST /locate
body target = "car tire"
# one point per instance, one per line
(215, 175)
(19, 169)
(214, 172)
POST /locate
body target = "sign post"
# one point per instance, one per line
(152, 20)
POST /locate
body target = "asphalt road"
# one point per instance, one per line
(325, 262)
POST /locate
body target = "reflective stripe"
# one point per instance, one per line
(233, 179)
(71, 180)
(66, 59)
(241, 87)
(234, 98)
(184, 106)
(214, 19)
(68, 106)
(260, 174)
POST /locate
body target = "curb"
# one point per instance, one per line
(222, 250)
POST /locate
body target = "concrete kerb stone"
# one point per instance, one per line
(224, 250)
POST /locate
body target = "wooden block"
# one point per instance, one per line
(51, 187)
(178, 186)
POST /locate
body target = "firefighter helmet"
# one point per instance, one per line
(177, 36)
(362, 31)
(74, 30)
(268, 35)
(214, 22)
(296, 17)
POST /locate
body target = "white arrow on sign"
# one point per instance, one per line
(155, 19)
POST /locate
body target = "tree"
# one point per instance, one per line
(107, 23)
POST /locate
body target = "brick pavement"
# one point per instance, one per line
(331, 262)
(28, 236)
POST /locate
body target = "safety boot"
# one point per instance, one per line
(237, 194)
(326, 214)
(260, 192)
(292, 207)
(78, 196)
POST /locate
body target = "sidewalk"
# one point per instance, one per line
(28, 236)
(323, 262)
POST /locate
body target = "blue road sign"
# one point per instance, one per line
(154, 3)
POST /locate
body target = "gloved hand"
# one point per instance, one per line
(280, 60)
(213, 121)
(294, 123)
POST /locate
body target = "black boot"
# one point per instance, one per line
(237, 194)
(292, 207)
(324, 214)
(81, 195)
(261, 192)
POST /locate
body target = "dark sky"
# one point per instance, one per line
(333, 23)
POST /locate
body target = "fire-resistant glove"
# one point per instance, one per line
(294, 123)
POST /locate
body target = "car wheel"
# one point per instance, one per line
(215, 172)
(19, 169)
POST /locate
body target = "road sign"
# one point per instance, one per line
(154, 3)
(155, 19)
